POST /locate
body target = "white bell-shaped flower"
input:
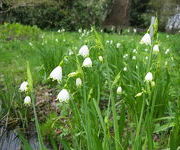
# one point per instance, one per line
(78, 82)
(27, 100)
(100, 58)
(87, 62)
(56, 74)
(119, 90)
(118, 45)
(23, 86)
(134, 57)
(156, 48)
(146, 39)
(149, 77)
(63, 95)
(134, 51)
(84, 51)
(167, 51)
(125, 69)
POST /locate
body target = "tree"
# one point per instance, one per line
(119, 14)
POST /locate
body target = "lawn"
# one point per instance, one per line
(114, 106)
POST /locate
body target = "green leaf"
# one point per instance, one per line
(163, 127)
(29, 77)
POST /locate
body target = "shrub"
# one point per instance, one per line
(68, 14)
(18, 32)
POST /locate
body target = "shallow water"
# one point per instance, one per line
(9, 140)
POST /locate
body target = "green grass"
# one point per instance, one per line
(96, 117)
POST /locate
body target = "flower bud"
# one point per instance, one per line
(119, 90)
(139, 94)
(78, 82)
(100, 58)
(153, 83)
(72, 74)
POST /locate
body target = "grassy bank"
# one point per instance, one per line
(144, 115)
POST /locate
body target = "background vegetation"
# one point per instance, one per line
(75, 14)
(144, 115)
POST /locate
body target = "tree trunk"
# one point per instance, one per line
(119, 15)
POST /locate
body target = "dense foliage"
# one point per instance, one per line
(71, 14)
(138, 9)
(67, 14)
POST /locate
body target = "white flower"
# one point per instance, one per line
(119, 90)
(156, 48)
(118, 45)
(125, 55)
(149, 77)
(146, 49)
(63, 95)
(80, 30)
(134, 57)
(27, 100)
(70, 52)
(137, 67)
(56, 40)
(134, 30)
(84, 30)
(165, 63)
(107, 41)
(78, 82)
(167, 51)
(87, 62)
(111, 42)
(87, 33)
(125, 69)
(84, 51)
(56, 74)
(100, 58)
(30, 44)
(146, 57)
(23, 86)
(134, 51)
(83, 34)
(146, 39)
